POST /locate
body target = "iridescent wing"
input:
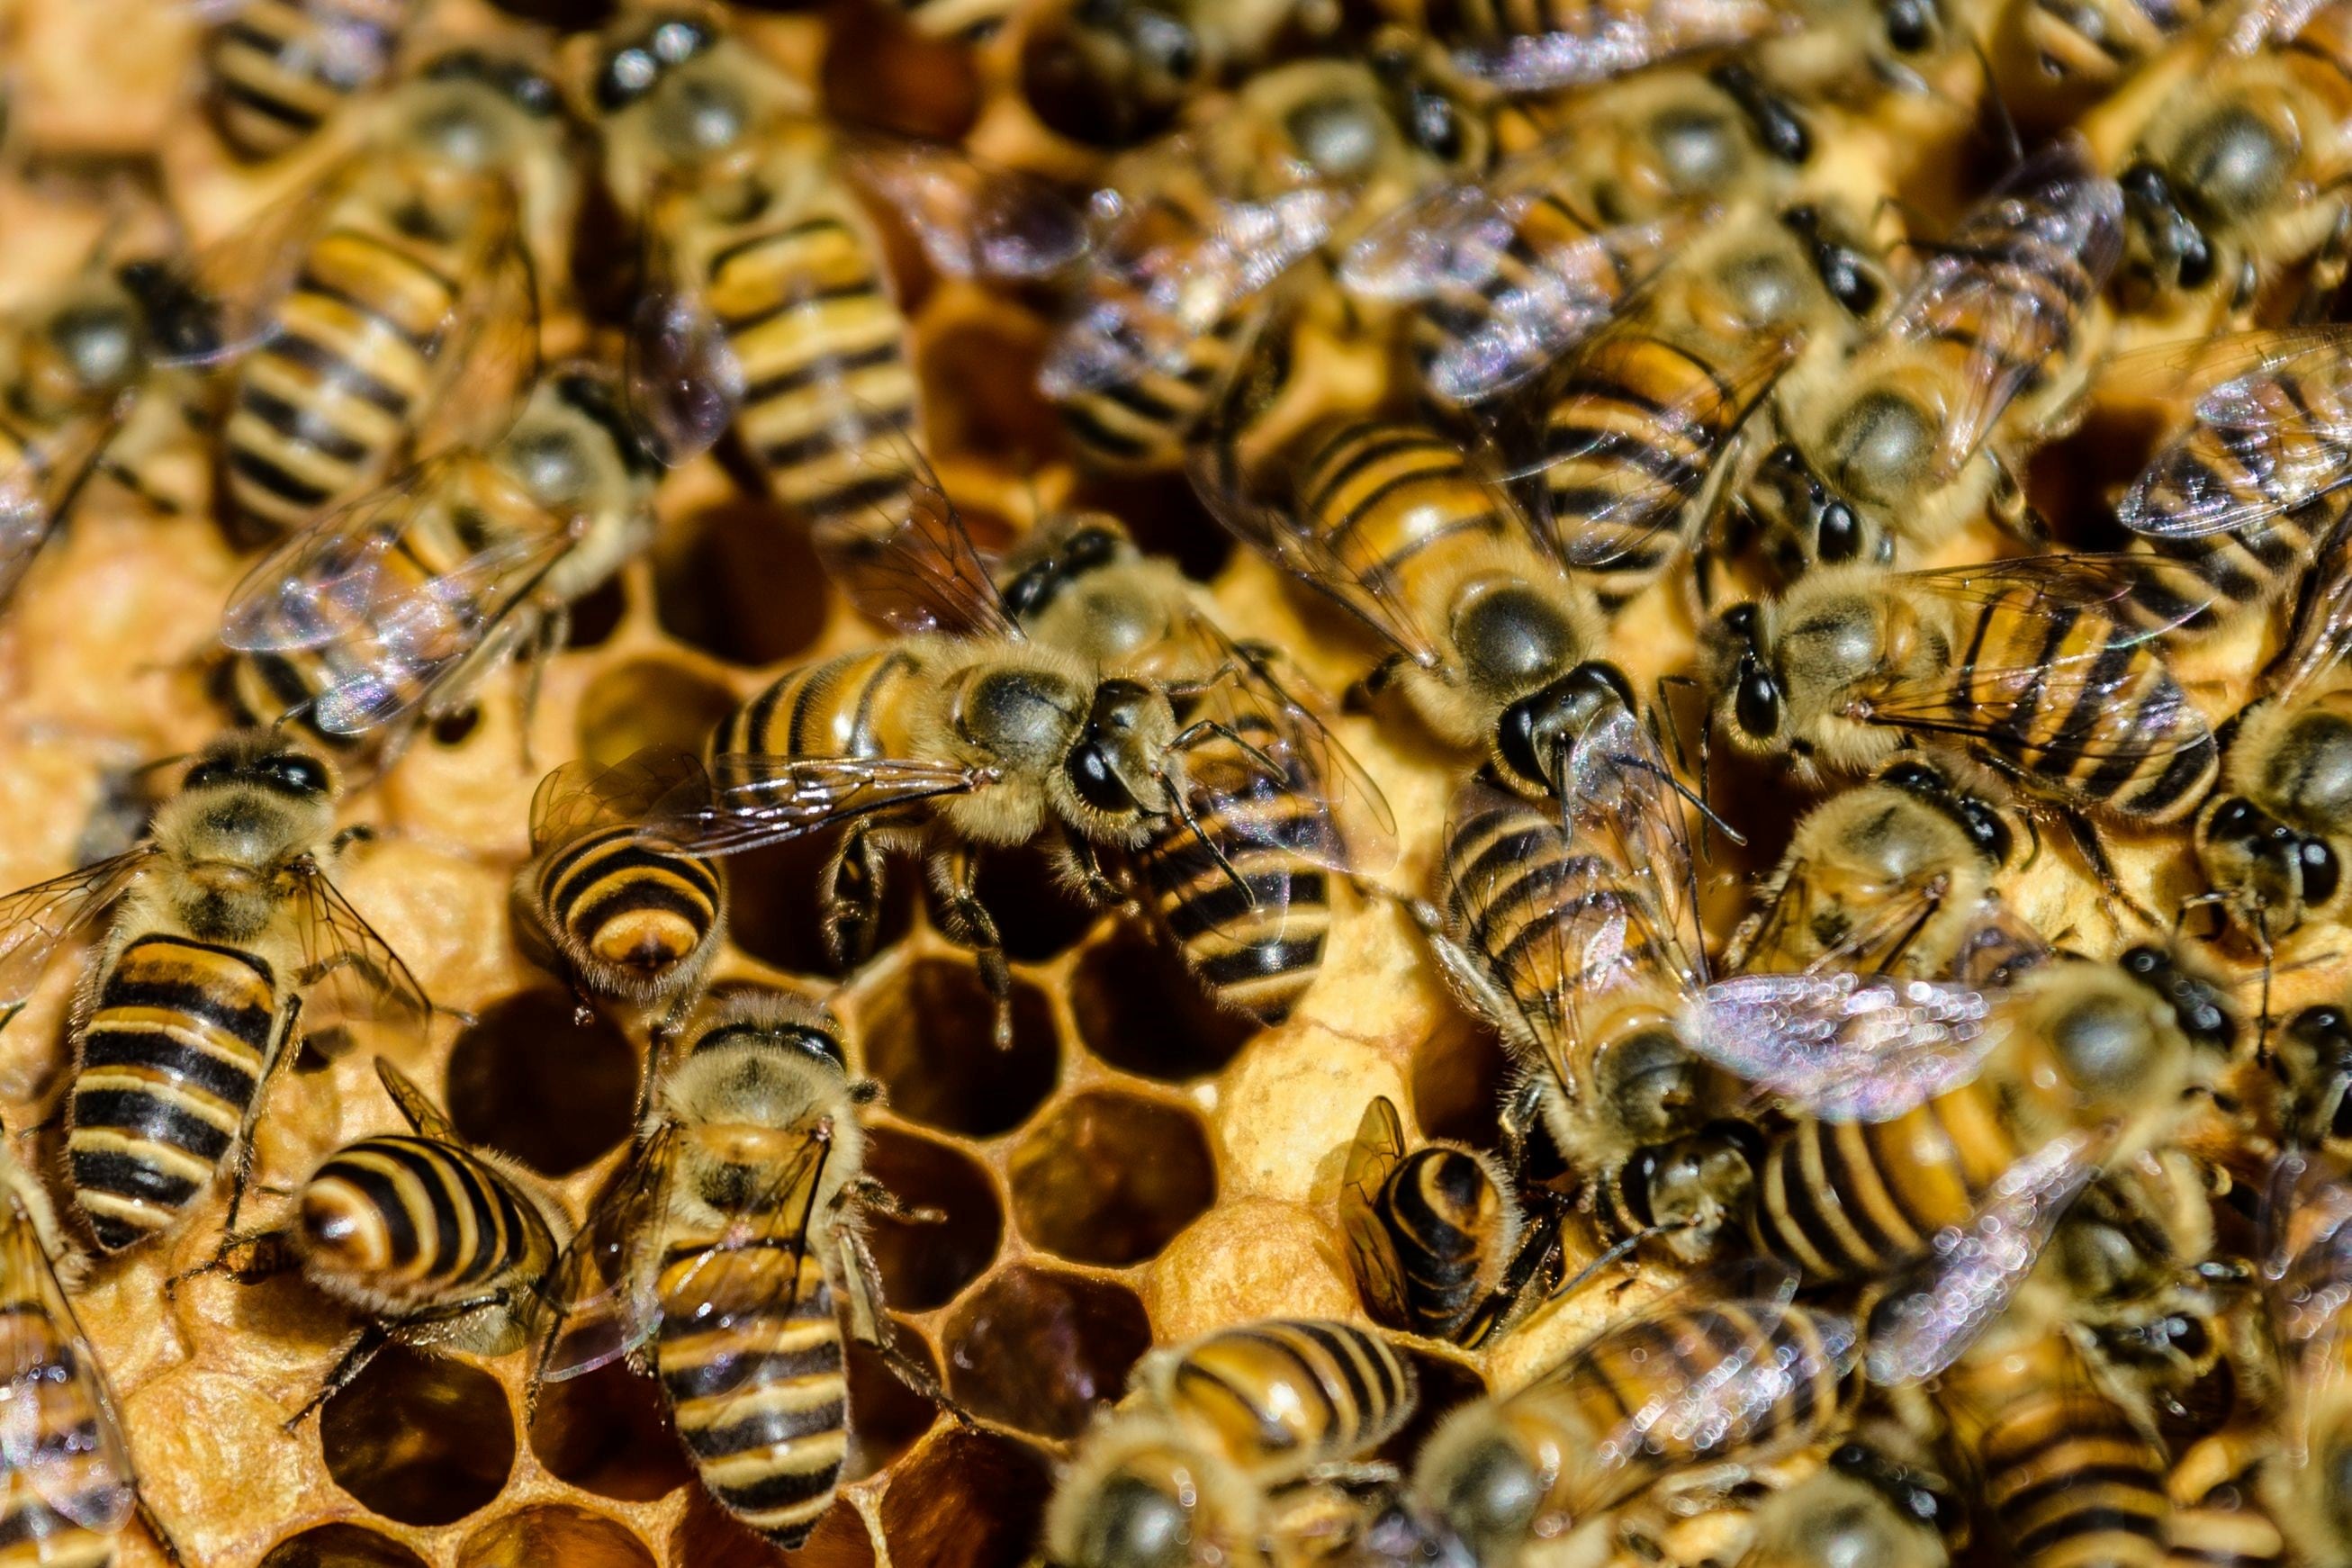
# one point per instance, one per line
(35, 920)
(230, 290)
(1621, 799)
(1842, 1047)
(600, 1297)
(759, 800)
(919, 571)
(1373, 1159)
(424, 1118)
(579, 798)
(489, 346)
(1611, 38)
(680, 378)
(974, 221)
(1935, 1311)
(348, 970)
(57, 1423)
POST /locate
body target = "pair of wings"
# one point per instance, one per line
(354, 585)
(1590, 41)
(655, 783)
(39, 478)
(59, 1431)
(684, 384)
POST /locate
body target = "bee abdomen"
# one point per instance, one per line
(1846, 1200)
(2071, 1481)
(266, 688)
(1442, 1209)
(418, 1218)
(833, 709)
(278, 72)
(176, 1044)
(642, 911)
(1386, 493)
(1292, 1387)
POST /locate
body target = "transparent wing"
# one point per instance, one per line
(1842, 1047)
(1621, 801)
(919, 571)
(424, 1118)
(34, 921)
(973, 221)
(1373, 1159)
(600, 1296)
(655, 782)
(1607, 39)
(1783, 938)
(680, 379)
(37, 483)
(229, 290)
(1934, 1312)
(758, 800)
(2268, 440)
(348, 970)
(489, 354)
(57, 1423)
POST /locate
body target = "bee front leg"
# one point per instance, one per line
(954, 872)
(853, 898)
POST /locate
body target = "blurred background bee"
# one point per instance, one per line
(2310, 1265)
(1876, 1499)
(276, 70)
(395, 608)
(764, 303)
(728, 1261)
(2054, 58)
(1247, 1445)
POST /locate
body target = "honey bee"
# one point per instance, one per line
(766, 306)
(2084, 47)
(1434, 1235)
(1542, 47)
(2218, 1517)
(226, 921)
(395, 608)
(728, 1261)
(1873, 1501)
(1885, 454)
(2312, 1058)
(1240, 1446)
(394, 308)
(274, 71)
(2272, 839)
(67, 1488)
(2310, 1266)
(617, 914)
(1680, 1397)
(440, 1244)
(1898, 876)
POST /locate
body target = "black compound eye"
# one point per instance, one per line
(533, 94)
(1909, 26)
(1757, 703)
(295, 771)
(1740, 620)
(674, 42)
(628, 75)
(2320, 872)
(1986, 830)
(1091, 547)
(2185, 1335)
(208, 774)
(2236, 819)
(1848, 281)
(1914, 776)
(1092, 776)
(1839, 537)
(2196, 260)
(2145, 182)
(1436, 127)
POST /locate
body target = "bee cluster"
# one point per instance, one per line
(1137, 783)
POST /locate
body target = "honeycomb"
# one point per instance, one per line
(1136, 1169)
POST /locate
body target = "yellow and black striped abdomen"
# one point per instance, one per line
(323, 403)
(35, 1535)
(1396, 500)
(848, 706)
(61, 1428)
(2221, 1526)
(266, 688)
(1245, 900)
(817, 337)
(176, 1044)
(642, 911)
(1444, 1218)
(1288, 1393)
(1552, 255)
(2069, 1480)
(418, 1221)
(2125, 737)
(278, 69)
(751, 1357)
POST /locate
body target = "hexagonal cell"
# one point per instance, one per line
(886, 1416)
(531, 1081)
(1140, 1010)
(1460, 1075)
(419, 1438)
(597, 615)
(1111, 1178)
(1063, 82)
(648, 702)
(924, 1264)
(550, 1533)
(930, 1036)
(971, 1500)
(1037, 916)
(707, 1536)
(609, 1432)
(740, 581)
(1038, 1349)
(772, 912)
(340, 1546)
(968, 365)
(1441, 1383)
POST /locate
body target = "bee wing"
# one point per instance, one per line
(424, 1118)
(655, 781)
(1608, 40)
(1872, 945)
(680, 379)
(58, 1428)
(34, 921)
(491, 353)
(1621, 797)
(2222, 371)
(1839, 1046)
(1926, 1320)
(348, 970)
(227, 292)
(599, 1296)
(759, 800)
(1373, 1159)
(34, 496)
(919, 572)
(974, 221)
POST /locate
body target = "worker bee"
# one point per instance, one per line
(766, 307)
(1243, 1445)
(1433, 1233)
(1680, 1397)
(2273, 840)
(2310, 1266)
(274, 71)
(1898, 876)
(1873, 1501)
(397, 607)
(611, 910)
(2082, 48)
(227, 921)
(1538, 49)
(2312, 1056)
(1885, 454)
(728, 1261)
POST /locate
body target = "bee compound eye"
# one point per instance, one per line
(1755, 704)
(1839, 534)
(2235, 820)
(2320, 871)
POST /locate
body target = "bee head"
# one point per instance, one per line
(1988, 830)
(1143, 1493)
(2314, 1055)
(1848, 273)
(635, 60)
(2272, 878)
(1534, 735)
(1117, 774)
(1478, 1476)
(1750, 704)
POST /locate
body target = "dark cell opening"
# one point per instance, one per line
(1140, 1010)
(1039, 1349)
(418, 1438)
(608, 1432)
(530, 1080)
(1110, 1179)
(924, 1264)
(930, 1039)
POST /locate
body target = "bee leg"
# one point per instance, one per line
(353, 1361)
(2094, 851)
(1095, 883)
(853, 899)
(267, 1257)
(872, 1197)
(1369, 687)
(241, 1162)
(954, 870)
(861, 1288)
(1353, 1473)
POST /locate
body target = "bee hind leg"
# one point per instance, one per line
(348, 1366)
(861, 1288)
(954, 874)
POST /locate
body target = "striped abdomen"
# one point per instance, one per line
(416, 1221)
(2069, 1480)
(1256, 943)
(279, 68)
(2014, 310)
(58, 1430)
(266, 688)
(178, 1037)
(1396, 499)
(637, 911)
(847, 706)
(756, 1385)
(816, 334)
(2222, 1527)
(1619, 469)
(323, 403)
(1288, 1393)
(2129, 741)
(1848, 1200)
(35, 1535)
(1444, 1218)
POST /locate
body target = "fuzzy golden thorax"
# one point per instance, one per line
(232, 841)
(764, 1078)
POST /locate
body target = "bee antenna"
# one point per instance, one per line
(1583, 1276)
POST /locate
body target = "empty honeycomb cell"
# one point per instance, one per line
(971, 1500)
(1036, 916)
(1140, 1010)
(421, 1439)
(1038, 1349)
(886, 1416)
(596, 615)
(1061, 79)
(924, 1263)
(979, 349)
(1164, 518)
(608, 1432)
(553, 1533)
(1440, 1384)
(930, 1039)
(531, 1081)
(1109, 1178)
(772, 911)
(1460, 1073)
(340, 1546)
(706, 1536)
(738, 580)
(648, 702)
